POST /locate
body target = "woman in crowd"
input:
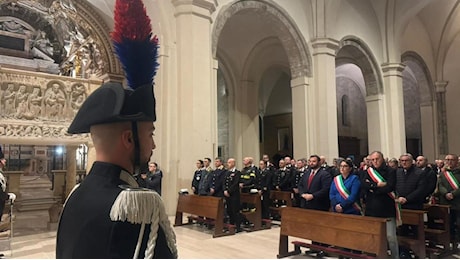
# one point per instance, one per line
(197, 176)
(345, 190)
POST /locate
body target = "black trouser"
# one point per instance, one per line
(297, 200)
(454, 222)
(233, 209)
(266, 202)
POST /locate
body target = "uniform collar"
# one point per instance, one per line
(110, 170)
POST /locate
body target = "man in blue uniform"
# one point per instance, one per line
(108, 215)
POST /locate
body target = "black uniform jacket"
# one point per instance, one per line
(85, 228)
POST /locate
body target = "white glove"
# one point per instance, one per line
(12, 196)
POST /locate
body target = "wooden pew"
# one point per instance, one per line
(206, 206)
(255, 217)
(280, 195)
(437, 230)
(417, 244)
(367, 234)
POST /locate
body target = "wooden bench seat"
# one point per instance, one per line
(276, 195)
(211, 208)
(366, 234)
(437, 231)
(255, 217)
(416, 244)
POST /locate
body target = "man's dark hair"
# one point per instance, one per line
(207, 158)
(316, 156)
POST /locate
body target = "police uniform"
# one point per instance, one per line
(265, 185)
(108, 215)
(296, 180)
(231, 184)
(196, 181)
(217, 181)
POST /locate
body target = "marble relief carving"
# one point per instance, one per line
(32, 106)
(56, 101)
(37, 131)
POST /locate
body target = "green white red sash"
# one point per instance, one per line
(452, 180)
(376, 177)
(343, 191)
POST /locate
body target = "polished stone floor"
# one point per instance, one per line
(33, 239)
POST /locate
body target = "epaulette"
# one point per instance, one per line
(143, 206)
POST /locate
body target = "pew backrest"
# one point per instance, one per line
(362, 233)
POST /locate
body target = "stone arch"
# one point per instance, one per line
(354, 50)
(421, 122)
(249, 70)
(423, 76)
(287, 31)
(89, 17)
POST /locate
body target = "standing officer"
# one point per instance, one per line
(217, 180)
(107, 215)
(232, 194)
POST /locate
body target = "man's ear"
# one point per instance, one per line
(127, 138)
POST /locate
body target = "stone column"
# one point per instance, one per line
(59, 183)
(13, 182)
(300, 118)
(248, 128)
(195, 88)
(375, 123)
(71, 174)
(323, 109)
(441, 116)
(394, 139)
(428, 125)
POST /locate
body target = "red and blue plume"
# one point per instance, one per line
(132, 37)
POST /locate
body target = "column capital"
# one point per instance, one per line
(300, 81)
(392, 69)
(441, 86)
(202, 8)
(325, 46)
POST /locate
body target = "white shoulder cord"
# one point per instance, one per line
(144, 207)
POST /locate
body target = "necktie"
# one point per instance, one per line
(310, 178)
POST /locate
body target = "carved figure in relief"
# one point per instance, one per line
(35, 102)
(54, 102)
(8, 100)
(42, 43)
(22, 107)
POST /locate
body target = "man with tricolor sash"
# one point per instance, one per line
(378, 186)
(449, 192)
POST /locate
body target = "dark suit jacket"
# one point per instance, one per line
(319, 188)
